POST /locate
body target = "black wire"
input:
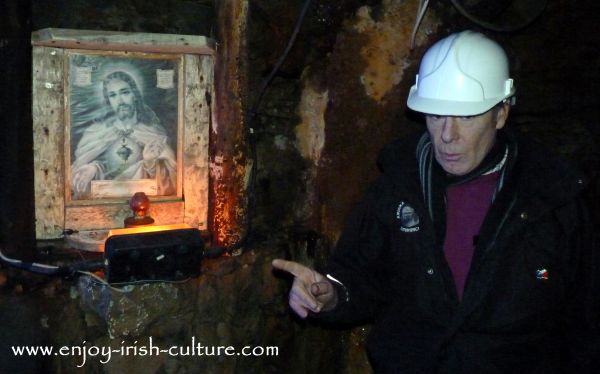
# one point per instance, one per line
(251, 135)
(282, 58)
(493, 27)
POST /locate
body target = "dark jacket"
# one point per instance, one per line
(530, 303)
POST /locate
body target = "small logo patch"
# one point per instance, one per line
(408, 217)
(542, 274)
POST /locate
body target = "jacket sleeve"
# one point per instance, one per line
(357, 264)
(583, 305)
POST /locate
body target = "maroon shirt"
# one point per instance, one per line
(466, 207)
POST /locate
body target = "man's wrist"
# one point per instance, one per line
(340, 294)
(338, 284)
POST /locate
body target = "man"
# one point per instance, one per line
(471, 253)
(129, 144)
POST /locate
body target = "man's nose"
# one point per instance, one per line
(449, 129)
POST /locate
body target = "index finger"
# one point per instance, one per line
(291, 267)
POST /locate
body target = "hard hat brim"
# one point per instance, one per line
(449, 107)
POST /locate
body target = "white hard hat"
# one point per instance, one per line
(464, 74)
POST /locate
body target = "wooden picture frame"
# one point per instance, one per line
(144, 97)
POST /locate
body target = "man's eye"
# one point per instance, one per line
(467, 118)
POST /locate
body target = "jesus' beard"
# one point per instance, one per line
(125, 111)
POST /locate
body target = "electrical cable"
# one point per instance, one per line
(487, 25)
(88, 266)
(234, 249)
(33, 266)
(282, 58)
(493, 27)
(127, 287)
(45, 269)
(84, 267)
(420, 14)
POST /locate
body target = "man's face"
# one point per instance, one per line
(461, 143)
(121, 98)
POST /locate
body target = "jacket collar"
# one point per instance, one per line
(541, 178)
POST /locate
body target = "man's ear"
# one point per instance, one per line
(501, 115)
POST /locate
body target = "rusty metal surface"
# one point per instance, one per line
(227, 144)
